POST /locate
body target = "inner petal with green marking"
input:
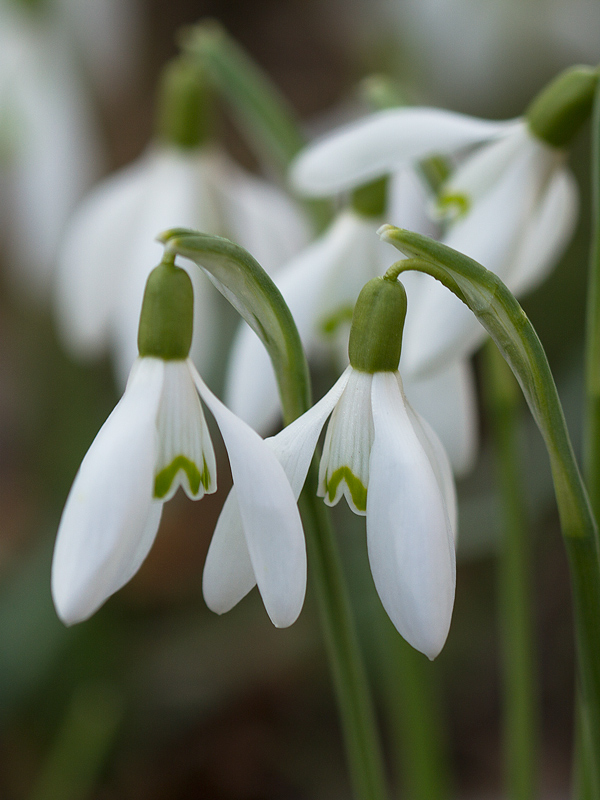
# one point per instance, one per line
(185, 454)
(453, 205)
(344, 468)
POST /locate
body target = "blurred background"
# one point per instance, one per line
(156, 697)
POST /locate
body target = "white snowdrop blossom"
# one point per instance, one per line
(390, 465)
(320, 286)
(49, 147)
(511, 204)
(156, 440)
(103, 265)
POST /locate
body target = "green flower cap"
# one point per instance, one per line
(184, 105)
(167, 318)
(559, 110)
(377, 324)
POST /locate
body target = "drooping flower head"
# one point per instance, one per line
(186, 180)
(388, 463)
(511, 202)
(156, 440)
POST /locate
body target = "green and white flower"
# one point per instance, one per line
(320, 286)
(511, 203)
(391, 467)
(156, 440)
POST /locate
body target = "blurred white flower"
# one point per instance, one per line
(320, 286)
(49, 151)
(511, 204)
(110, 243)
(391, 466)
(156, 440)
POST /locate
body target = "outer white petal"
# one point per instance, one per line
(446, 399)
(442, 328)
(110, 519)
(410, 543)
(547, 234)
(90, 262)
(260, 217)
(270, 516)
(179, 193)
(228, 573)
(56, 157)
(382, 143)
(323, 280)
(484, 168)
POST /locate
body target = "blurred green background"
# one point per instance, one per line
(156, 697)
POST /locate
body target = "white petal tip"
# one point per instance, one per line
(384, 232)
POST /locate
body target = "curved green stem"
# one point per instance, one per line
(508, 325)
(514, 575)
(250, 290)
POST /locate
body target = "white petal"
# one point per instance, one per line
(410, 543)
(90, 261)
(440, 463)
(446, 399)
(547, 234)
(183, 438)
(110, 519)
(483, 169)
(442, 328)
(382, 143)
(228, 573)
(179, 193)
(261, 218)
(344, 467)
(56, 156)
(269, 514)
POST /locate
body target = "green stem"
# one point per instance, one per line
(415, 715)
(514, 570)
(354, 700)
(508, 325)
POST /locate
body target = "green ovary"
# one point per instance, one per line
(164, 479)
(357, 490)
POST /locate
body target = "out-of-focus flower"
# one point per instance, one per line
(511, 205)
(49, 150)
(320, 286)
(156, 440)
(103, 265)
(391, 467)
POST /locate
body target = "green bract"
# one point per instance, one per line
(167, 318)
(377, 324)
(560, 109)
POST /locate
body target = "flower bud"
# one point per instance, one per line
(560, 109)
(167, 318)
(377, 325)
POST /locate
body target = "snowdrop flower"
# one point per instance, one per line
(511, 203)
(156, 440)
(49, 149)
(183, 180)
(320, 286)
(391, 467)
